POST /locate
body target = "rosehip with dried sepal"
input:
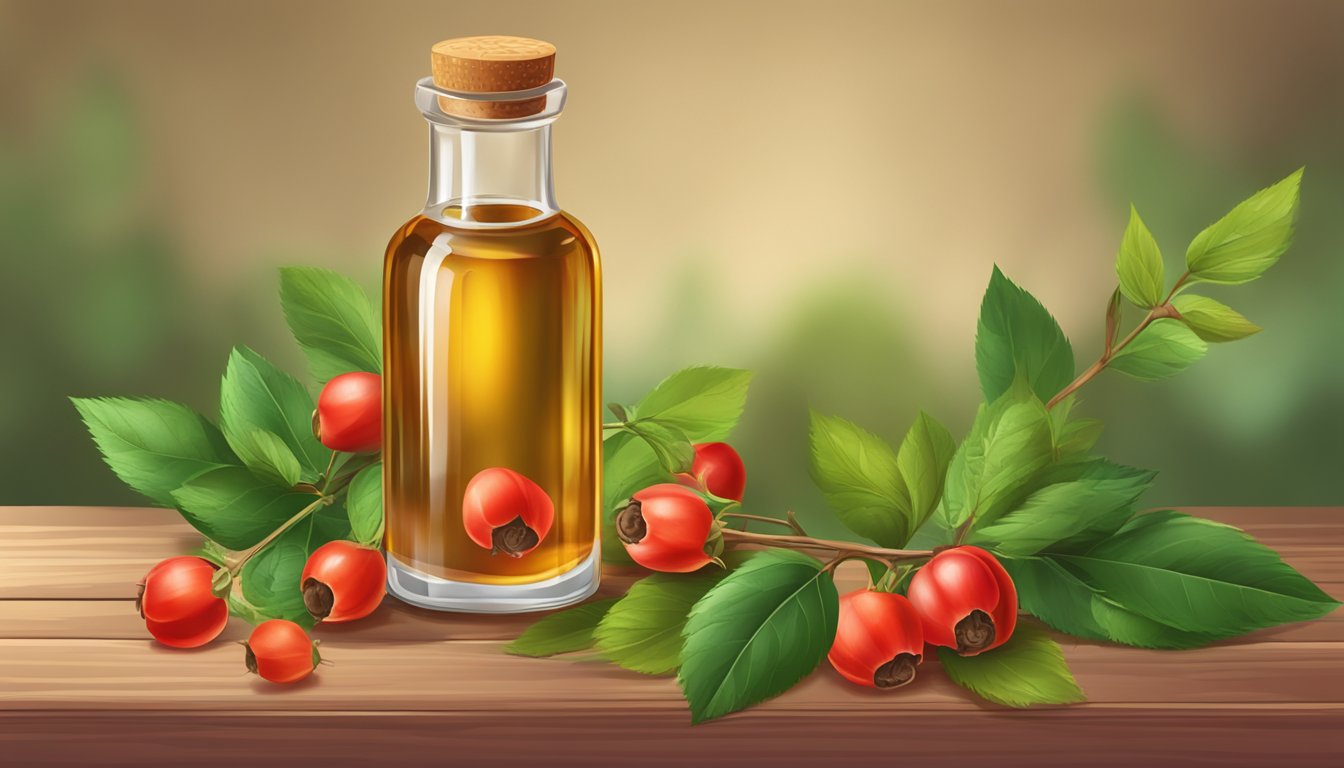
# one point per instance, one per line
(667, 527)
(343, 581)
(718, 469)
(965, 599)
(505, 512)
(280, 651)
(178, 602)
(349, 415)
(879, 639)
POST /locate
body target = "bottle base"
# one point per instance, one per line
(425, 591)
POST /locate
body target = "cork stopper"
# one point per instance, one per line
(490, 63)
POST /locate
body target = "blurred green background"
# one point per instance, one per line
(816, 191)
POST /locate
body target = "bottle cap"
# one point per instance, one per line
(492, 63)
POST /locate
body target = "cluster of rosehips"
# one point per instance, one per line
(342, 581)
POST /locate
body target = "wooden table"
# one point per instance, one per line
(81, 682)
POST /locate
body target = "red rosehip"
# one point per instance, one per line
(664, 527)
(719, 470)
(179, 605)
(349, 415)
(280, 651)
(343, 581)
(966, 600)
(504, 511)
(878, 641)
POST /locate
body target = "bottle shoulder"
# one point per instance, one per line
(561, 234)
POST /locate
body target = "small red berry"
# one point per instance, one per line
(505, 511)
(349, 415)
(966, 600)
(664, 527)
(280, 651)
(179, 605)
(719, 470)
(343, 581)
(878, 641)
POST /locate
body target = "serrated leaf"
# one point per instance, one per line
(1016, 337)
(757, 633)
(1199, 576)
(703, 402)
(1239, 247)
(1139, 264)
(923, 458)
(1077, 437)
(1010, 441)
(236, 508)
(255, 395)
(153, 446)
(628, 465)
(562, 632)
(1166, 347)
(267, 456)
(1212, 320)
(670, 445)
(333, 322)
(1028, 669)
(859, 475)
(364, 505)
(642, 632)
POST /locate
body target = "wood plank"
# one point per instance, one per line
(476, 676)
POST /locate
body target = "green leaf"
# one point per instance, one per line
(256, 395)
(1212, 320)
(628, 465)
(267, 456)
(1028, 669)
(235, 507)
(1015, 337)
(1239, 247)
(333, 322)
(1198, 576)
(1139, 264)
(1166, 347)
(153, 446)
(1077, 498)
(703, 402)
(642, 632)
(673, 449)
(757, 633)
(272, 579)
(859, 475)
(1009, 443)
(562, 632)
(364, 505)
(923, 459)
(1077, 437)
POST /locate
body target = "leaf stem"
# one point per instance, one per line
(792, 522)
(841, 550)
(614, 425)
(235, 564)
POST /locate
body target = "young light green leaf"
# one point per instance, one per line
(1010, 441)
(1198, 576)
(333, 322)
(562, 632)
(1139, 264)
(922, 460)
(1028, 669)
(235, 507)
(153, 446)
(256, 395)
(1015, 337)
(1077, 437)
(759, 631)
(628, 465)
(364, 505)
(267, 456)
(642, 632)
(1212, 320)
(703, 402)
(669, 444)
(1239, 247)
(859, 475)
(1166, 347)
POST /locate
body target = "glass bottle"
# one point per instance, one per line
(492, 339)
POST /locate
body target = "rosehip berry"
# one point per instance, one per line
(966, 600)
(349, 415)
(878, 641)
(179, 605)
(664, 527)
(718, 469)
(343, 581)
(281, 652)
(504, 511)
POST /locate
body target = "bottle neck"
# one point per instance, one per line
(489, 176)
